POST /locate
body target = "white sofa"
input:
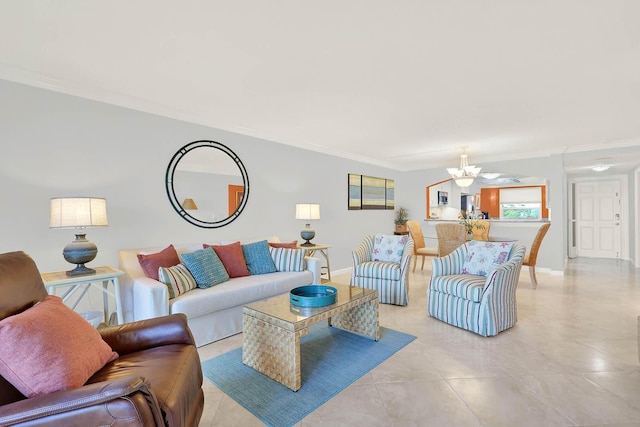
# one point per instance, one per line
(213, 313)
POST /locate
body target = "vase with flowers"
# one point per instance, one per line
(470, 223)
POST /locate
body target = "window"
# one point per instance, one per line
(520, 211)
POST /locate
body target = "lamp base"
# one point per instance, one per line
(307, 234)
(79, 252)
(80, 270)
(307, 244)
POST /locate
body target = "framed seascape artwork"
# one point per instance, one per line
(369, 192)
(355, 191)
(390, 186)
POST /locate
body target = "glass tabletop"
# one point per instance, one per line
(281, 308)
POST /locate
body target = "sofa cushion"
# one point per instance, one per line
(258, 258)
(287, 259)
(466, 286)
(237, 292)
(289, 245)
(49, 348)
(178, 279)
(483, 257)
(387, 248)
(378, 269)
(168, 257)
(206, 267)
(232, 258)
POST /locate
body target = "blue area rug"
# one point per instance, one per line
(331, 360)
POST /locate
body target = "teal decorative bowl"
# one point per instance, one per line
(313, 296)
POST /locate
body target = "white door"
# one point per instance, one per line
(598, 219)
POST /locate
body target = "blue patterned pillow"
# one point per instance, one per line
(258, 258)
(388, 248)
(484, 257)
(205, 266)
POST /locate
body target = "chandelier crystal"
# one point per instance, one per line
(465, 174)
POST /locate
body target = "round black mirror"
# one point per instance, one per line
(207, 184)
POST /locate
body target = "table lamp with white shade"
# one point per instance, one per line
(79, 213)
(307, 212)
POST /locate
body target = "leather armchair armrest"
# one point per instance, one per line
(144, 334)
(96, 395)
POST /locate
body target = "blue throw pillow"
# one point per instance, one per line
(258, 258)
(484, 257)
(205, 266)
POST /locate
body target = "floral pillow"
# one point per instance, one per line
(388, 248)
(483, 257)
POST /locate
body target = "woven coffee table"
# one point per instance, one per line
(272, 329)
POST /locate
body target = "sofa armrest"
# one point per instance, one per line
(449, 264)
(150, 299)
(505, 275)
(361, 254)
(87, 405)
(144, 334)
(313, 265)
(405, 261)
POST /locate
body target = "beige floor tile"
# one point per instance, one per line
(503, 401)
(358, 405)
(425, 403)
(625, 385)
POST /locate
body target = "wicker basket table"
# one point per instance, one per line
(272, 329)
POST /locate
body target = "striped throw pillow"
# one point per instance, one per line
(177, 278)
(287, 259)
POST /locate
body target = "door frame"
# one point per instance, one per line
(624, 210)
(636, 179)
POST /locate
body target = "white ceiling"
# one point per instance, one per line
(405, 84)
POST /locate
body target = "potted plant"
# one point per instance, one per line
(402, 216)
(470, 223)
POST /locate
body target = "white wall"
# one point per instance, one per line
(57, 145)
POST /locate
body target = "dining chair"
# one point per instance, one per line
(420, 249)
(531, 257)
(481, 233)
(450, 237)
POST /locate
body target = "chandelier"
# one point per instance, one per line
(465, 174)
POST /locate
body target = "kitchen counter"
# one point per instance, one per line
(495, 220)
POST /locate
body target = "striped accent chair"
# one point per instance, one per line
(484, 305)
(390, 279)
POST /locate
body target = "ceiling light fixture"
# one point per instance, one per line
(465, 174)
(600, 168)
(490, 175)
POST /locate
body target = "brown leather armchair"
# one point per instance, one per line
(156, 381)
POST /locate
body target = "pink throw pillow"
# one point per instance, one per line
(287, 245)
(150, 263)
(49, 348)
(232, 258)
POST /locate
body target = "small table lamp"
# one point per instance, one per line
(79, 213)
(307, 212)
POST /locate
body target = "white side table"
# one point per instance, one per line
(106, 274)
(324, 251)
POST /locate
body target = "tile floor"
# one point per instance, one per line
(571, 360)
